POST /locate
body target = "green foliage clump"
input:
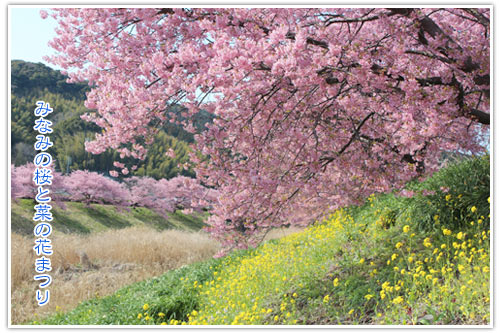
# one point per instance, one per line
(454, 191)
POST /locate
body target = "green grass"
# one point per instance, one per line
(172, 294)
(76, 217)
(393, 260)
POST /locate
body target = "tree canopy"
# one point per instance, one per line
(315, 108)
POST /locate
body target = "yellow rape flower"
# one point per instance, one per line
(473, 209)
(145, 306)
(406, 228)
(397, 300)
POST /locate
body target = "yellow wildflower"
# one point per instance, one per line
(397, 300)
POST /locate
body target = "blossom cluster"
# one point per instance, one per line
(315, 108)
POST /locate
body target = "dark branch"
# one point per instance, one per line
(481, 18)
(355, 135)
(309, 40)
(480, 116)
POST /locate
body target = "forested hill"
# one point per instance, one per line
(33, 82)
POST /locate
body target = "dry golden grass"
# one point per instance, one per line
(86, 266)
(99, 264)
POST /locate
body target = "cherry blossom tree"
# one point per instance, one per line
(315, 108)
(91, 187)
(178, 193)
(23, 186)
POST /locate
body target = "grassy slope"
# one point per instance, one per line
(419, 260)
(76, 217)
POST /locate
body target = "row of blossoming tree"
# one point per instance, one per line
(315, 108)
(178, 193)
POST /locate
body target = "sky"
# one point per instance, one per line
(30, 34)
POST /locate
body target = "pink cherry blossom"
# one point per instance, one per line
(315, 108)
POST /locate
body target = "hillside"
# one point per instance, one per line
(421, 259)
(33, 82)
(76, 217)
